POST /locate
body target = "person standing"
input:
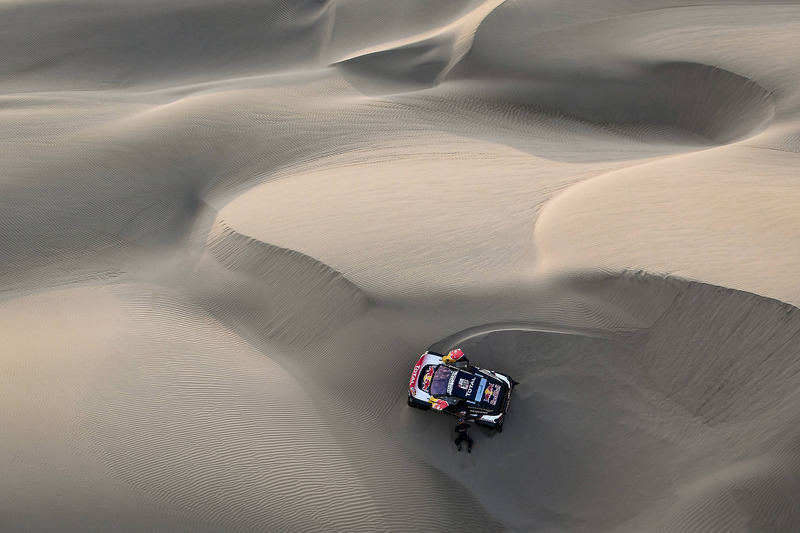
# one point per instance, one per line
(461, 429)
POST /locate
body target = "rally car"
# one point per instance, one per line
(448, 383)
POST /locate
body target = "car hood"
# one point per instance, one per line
(476, 388)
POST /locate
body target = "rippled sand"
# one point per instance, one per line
(229, 228)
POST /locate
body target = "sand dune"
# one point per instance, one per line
(228, 228)
(418, 61)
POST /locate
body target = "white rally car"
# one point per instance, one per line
(449, 384)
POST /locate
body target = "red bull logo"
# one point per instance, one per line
(427, 378)
(487, 392)
(491, 393)
(453, 356)
(438, 404)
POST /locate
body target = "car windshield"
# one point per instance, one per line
(440, 380)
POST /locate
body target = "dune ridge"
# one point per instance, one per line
(422, 60)
(298, 299)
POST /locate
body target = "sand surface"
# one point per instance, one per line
(228, 228)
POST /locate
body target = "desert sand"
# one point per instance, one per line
(229, 228)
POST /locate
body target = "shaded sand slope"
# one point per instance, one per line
(228, 228)
(698, 391)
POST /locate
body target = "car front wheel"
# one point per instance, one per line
(419, 405)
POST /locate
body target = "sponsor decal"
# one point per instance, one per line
(491, 393)
(487, 392)
(453, 356)
(471, 386)
(413, 383)
(426, 379)
(438, 404)
(480, 389)
(451, 382)
(464, 383)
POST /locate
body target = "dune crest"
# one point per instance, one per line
(415, 62)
